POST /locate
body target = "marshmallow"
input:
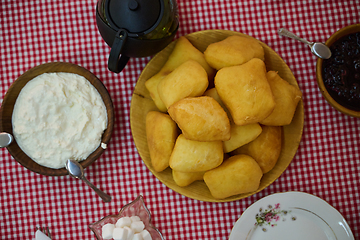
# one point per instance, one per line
(130, 233)
(119, 234)
(126, 228)
(135, 218)
(138, 236)
(137, 226)
(107, 231)
(146, 235)
(122, 222)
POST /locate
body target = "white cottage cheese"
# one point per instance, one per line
(58, 116)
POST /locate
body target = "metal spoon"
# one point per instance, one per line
(317, 48)
(5, 139)
(77, 171)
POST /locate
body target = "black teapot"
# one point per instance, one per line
(135, 28)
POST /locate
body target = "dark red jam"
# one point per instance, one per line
(341, 72)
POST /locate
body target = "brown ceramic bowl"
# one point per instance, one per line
(142, 103)
(319, 65)
(7, 108)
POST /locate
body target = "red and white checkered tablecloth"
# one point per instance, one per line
(327, 162)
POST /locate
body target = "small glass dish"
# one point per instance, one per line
(134, 208)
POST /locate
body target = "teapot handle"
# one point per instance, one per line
(116, 63)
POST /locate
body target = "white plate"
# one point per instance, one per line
(291, 215)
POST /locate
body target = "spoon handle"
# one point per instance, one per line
(104, 196)
(284, 32)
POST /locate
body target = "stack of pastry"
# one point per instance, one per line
(220, 115)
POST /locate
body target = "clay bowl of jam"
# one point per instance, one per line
(339, 76)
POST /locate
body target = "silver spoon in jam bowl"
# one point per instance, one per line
(77, 171)
(317, 48)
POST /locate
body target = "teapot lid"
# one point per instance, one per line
(138, 17)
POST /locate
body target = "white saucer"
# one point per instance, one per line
(291, 215)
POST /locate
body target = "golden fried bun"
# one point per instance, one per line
(182, 52)
(187, 80)
(241, 135)
(152, 86)
(201, 119)
(286, 97)
(184, 179)
(236, 175)
(213, 93)
(161, 134)
(265, 149)
(233, 50)
(245, 91)
(195, 156)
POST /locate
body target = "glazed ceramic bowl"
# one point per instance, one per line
(11, 95)
(142, 103)
(134, 208)
(319, 71)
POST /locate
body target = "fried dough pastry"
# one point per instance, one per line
(195, 156)
(236, 175)
(161, 134)
(201, 119)
(265, 149)
(241, 135)
(286, 98)
(234, 50)
(245, 91)
(213, 93)
(182, 52)
(187, 80)
(183, 179)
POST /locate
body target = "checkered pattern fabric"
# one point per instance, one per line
(327, 162)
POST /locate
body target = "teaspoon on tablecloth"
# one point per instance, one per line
(317, 48)
(76, 170)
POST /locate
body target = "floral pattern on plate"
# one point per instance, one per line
(271, 215)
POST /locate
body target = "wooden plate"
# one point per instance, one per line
(7, 108)
(142, 103)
